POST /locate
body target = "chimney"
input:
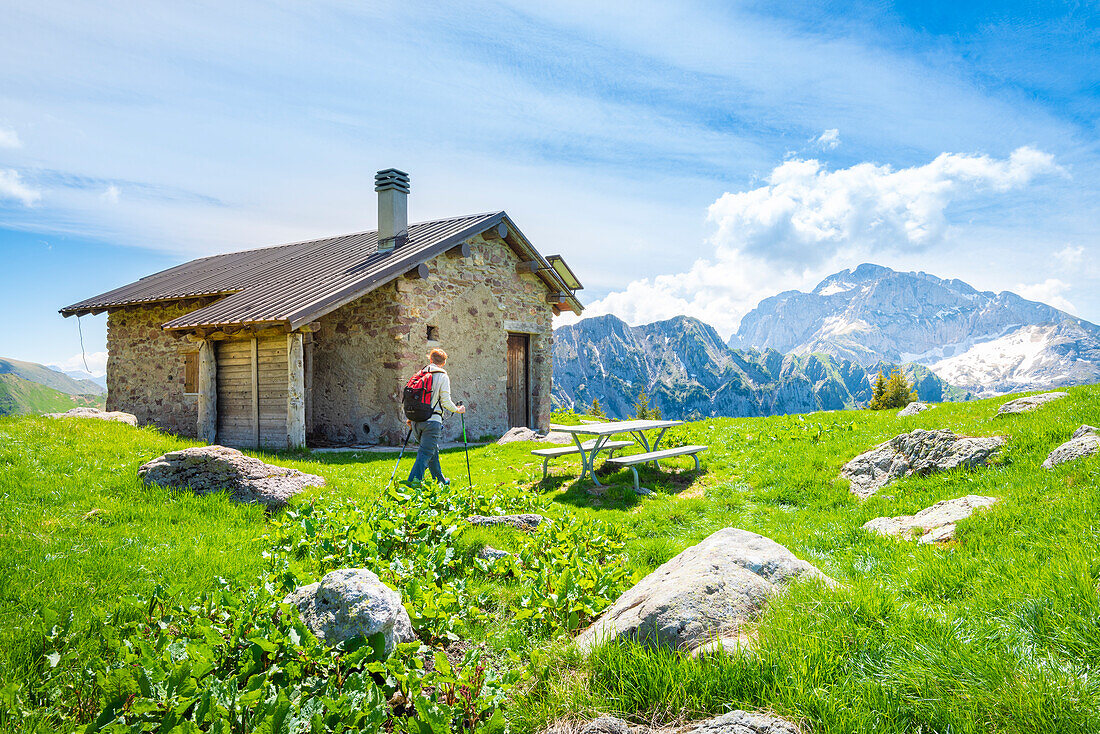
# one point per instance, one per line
(392, 186)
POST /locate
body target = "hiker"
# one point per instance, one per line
(428, 431)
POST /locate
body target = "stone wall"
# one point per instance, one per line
(145, 366)
(366, 350)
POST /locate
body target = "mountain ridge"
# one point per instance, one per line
(688, 371)
(986, 342)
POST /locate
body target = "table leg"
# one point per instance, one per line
(657, 443)
(600, 441)
(584, 455)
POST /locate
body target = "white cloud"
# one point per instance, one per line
(110, 194)
(807, 221)
(9, 138)
(97, 364)
(12, 187)
(805, 213)
(829, 139)
(1049, 291)
(1070, 256)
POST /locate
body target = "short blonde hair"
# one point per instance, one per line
(438, 356)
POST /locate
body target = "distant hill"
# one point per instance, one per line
(79, 375)
(51, 378)
(988, 343)
(688, 371)
(19, 396)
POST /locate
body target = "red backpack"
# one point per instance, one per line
(417, 399)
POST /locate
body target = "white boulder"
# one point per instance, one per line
(1031, 402)
(704, 593)
(1085, 442)
(920, 452)
(353, 602)
(913, 409)
(935, 524)
(103, 415)
(206, 469)
(527, 521)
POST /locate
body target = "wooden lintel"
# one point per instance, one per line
(530, 266)
(459, 251)
(499, 232)
(420, 272)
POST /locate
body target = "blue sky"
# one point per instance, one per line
(690, 159)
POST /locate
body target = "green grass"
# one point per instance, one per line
(23, 397)
(998, 631)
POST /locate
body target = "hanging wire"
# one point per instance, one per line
(83, 356)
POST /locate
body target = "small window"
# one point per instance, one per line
(433, 333)
(191, 373)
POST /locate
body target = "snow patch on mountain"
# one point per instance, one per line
(1029, 358)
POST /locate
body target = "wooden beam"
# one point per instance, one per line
(556, 310)
(296, 392)
(420, 272)
(310, 328)
(530, 266)
(459, 251)
(254, 346)
(208, 393)
(499, 232)
(556, 298)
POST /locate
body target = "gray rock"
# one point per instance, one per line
(920, 452)
(1084, 431)
(1031, 402)
(704, 593)
(606, 725)
(913, 409)
(352, 602)
(489, 553)
(103, 415)
(527, 521)
(520, 433)
(206, 469)
(742, 722)
(936, 523)
(1085, 442)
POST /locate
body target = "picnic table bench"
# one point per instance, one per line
(633, 460)
(547, 454)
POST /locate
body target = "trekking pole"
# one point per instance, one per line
(399, 456)
(466, 446)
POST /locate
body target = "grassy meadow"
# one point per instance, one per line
(109, 589)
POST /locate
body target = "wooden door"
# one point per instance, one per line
(518, 384)
(252, 392)
(234, 371)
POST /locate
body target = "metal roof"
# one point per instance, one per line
(296, 283)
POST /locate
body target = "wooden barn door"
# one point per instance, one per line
(518, 387)
(272, 378)
(252, 393)
(235, 420)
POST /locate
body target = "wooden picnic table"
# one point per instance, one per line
(604, 431)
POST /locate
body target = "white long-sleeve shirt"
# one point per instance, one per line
(441, 392)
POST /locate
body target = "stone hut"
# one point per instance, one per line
(313, 341)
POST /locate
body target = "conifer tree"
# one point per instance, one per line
(898, 391)
(596, 410)
(878, 393)
(641, 406)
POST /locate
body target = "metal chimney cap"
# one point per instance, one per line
(391, 178)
